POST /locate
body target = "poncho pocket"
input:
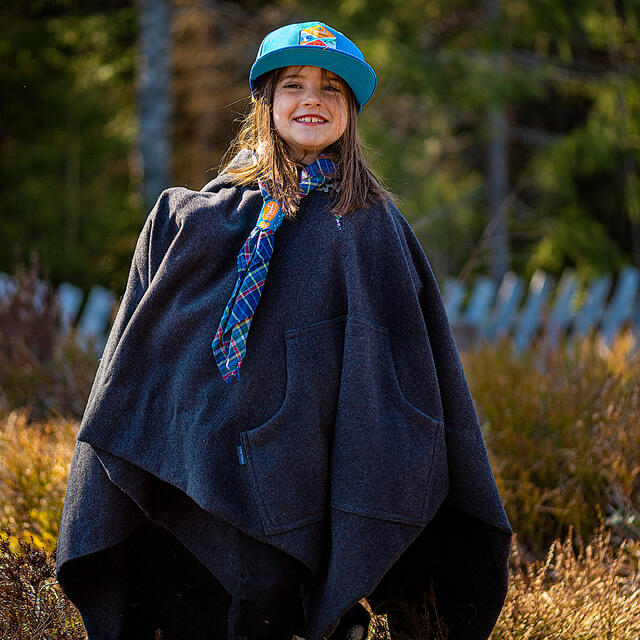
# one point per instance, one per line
(287, 457)
(385, 450)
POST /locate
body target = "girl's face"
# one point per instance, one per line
(309, 110)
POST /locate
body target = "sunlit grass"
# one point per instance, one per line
(563, 431)
(589, 594)
(34, 466)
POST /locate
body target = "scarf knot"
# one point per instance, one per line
(230, 342)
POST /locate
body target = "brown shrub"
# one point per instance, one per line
(32, 606)
(42, 367)
(29, 313)
(563, 431)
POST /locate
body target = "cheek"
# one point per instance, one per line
(277, 121)
(341, 121)
(279, 114)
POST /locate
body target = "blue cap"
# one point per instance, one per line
(318, 45)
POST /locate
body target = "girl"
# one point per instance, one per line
(280, 425)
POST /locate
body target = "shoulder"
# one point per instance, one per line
(382, 219)
(224, 179)
(399, 222)
(414, 251)
(383, 232)
(177, 205)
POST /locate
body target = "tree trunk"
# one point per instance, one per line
(497, 178)
(154, 97)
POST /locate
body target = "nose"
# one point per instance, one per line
(312, 96)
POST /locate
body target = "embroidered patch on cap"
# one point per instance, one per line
(318, 36)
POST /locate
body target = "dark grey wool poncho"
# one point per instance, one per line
(351, 437)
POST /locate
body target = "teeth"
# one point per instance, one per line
(310, 119)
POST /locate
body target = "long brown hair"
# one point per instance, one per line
(358, 186)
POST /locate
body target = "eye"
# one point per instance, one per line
(332, 87)
(291, 85)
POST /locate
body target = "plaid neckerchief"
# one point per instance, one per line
(229, 344)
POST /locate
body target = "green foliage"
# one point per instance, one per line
(568, 78)
(66, 182)
(566, 75)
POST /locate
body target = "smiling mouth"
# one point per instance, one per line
(310, 119)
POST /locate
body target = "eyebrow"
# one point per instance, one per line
(290, 76)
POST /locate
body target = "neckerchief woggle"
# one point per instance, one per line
(230, 343)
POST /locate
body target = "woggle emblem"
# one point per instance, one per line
(270, 215)
(318, 36)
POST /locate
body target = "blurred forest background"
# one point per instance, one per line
(509, 129)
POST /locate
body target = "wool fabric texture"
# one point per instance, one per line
(350, 444)
(230, 342)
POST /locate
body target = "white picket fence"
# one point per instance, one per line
(488, 310)
(485, 310)
(96, 314)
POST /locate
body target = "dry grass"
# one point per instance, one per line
(563, 431)
(575, 593)
(32, 607)
(35, 458)
(591, 594)
(420, 622)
